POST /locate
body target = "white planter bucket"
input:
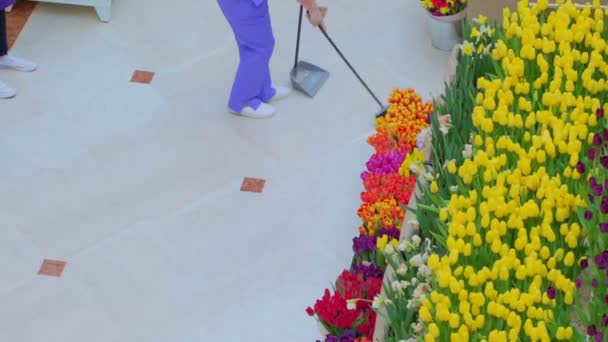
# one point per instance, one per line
(446, 31)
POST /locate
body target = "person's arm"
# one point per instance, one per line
(308, 4)
(316, 14)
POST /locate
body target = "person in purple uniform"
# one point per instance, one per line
(253, 88)
(8, 61)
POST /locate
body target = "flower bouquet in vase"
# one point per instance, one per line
(346, 315)
(446, 18)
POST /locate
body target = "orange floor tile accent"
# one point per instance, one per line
(140, 76)
(17, 18)
(52, 268)
(253, 185)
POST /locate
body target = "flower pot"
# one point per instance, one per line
(446, 31)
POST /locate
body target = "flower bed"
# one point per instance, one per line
(514, 216)
(347, 314)
(513, 204)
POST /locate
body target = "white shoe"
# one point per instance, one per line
(280, 93)
(16, 63)
(6, 92)
(264, 111)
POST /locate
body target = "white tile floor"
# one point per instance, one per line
(137, 186)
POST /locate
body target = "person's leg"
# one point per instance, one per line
(265, 28)
(6, 91)
(253, 32)
(9, 61)
(3, 34)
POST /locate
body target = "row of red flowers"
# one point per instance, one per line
(347, 314)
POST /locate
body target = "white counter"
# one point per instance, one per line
(102, 7)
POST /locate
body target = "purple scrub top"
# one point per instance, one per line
(5, 3)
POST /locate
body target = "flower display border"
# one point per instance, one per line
(388, 192)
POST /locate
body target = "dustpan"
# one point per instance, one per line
(306, 77)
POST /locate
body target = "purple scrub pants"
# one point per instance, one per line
(3, 34)
(250, 22)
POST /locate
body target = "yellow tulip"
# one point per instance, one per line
(434, 187)
(569, 259)
(433, 330)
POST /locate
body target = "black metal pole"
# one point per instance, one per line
(298, 41)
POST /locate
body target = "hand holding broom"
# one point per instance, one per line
(315, 14)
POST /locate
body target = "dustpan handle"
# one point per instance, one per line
(298, 40)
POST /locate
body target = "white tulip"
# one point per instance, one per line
(416, 240)
(468, 151)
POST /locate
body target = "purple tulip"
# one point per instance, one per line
(580, 167)
(392, 232)
(364, 243)
(348, 336)
(601, 260)
(604, 205)
(604, 227)
(591, 330)
(605, 320)
(606, 298)
(597, 140)
(594, 282)
(597, 190)
(584, 263)
(604, 161)
(605, 134)
(600, 112)
(551, 292)
(588, 215)
(591, 154)
(330, 338)
(578, 283)
(599, 337)
(368, 271)
(593, 181)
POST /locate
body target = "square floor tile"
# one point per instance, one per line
(253, 185)
(52, 268)
(140, 76)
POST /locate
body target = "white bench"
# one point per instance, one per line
(102, 7)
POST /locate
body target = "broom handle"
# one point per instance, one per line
(351, 68)
(298, 41)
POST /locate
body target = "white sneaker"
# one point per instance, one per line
(6, 92)
(16, 63)
(264, 111)
(281, 93)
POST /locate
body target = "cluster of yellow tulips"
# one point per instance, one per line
(514, 236)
